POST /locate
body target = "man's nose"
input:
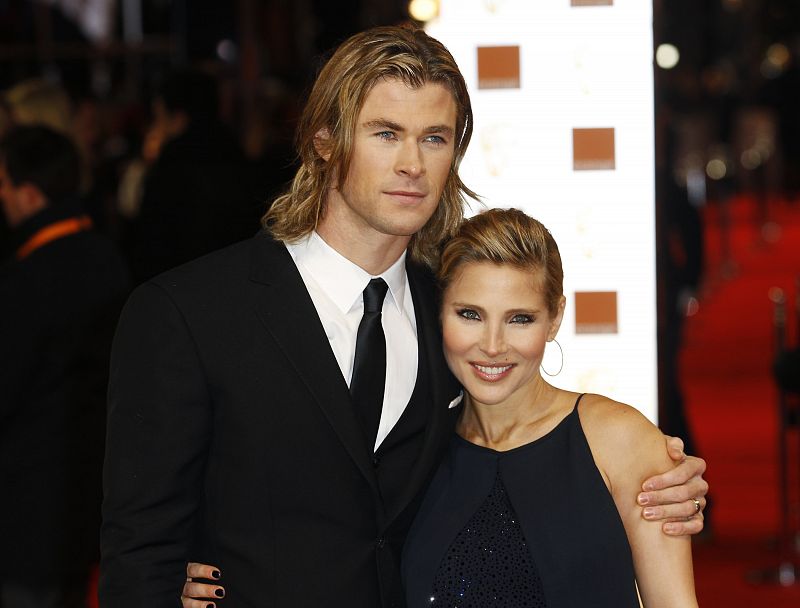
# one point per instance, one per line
(410, 161)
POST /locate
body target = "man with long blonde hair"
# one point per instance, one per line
(277, 407)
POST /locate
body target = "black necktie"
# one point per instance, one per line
(369, 365)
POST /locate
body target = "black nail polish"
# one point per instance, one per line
(215, 574)
(219, 592)
(209, 605)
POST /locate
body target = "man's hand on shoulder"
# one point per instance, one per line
(676, 497)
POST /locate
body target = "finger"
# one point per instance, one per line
(203, 591)
(196, 570)
(676, 512)
(675, 448)
(678, 475)
(192, 603)
(696, 487)
(681, 528)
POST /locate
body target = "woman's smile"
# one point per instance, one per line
(492, 373)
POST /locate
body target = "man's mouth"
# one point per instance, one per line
(410, 194)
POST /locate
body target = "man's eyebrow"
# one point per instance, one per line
(443, 129)
(383, 123)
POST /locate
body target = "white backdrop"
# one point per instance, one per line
(580, 67)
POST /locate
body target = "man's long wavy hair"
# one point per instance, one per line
(333, 107)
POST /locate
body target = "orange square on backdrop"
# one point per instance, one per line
(593, 149)
(498, 67)
(596, 312)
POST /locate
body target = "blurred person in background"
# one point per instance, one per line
(787, 370)
(268, 141)
(33, 101)
(61, 289)
(38, 102)
(681, 263)
(195, 195)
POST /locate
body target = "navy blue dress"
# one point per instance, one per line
(530, 527)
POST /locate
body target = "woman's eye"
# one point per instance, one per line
(522, 319)
(468, 313)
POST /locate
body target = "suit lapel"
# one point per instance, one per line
(443, 386)
(283, 306)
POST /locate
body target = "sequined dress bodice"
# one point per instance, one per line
(490, 548)
(531, 527)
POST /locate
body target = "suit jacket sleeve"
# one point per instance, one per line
(159, 421)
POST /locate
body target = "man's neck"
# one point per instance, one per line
(373, 252)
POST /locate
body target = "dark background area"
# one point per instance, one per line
(736, 56)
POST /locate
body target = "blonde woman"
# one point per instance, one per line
(532, 504)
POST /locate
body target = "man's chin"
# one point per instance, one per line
(408, 227)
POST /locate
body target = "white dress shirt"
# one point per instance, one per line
(336, 287)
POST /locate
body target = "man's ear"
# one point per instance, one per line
(24, 201)
(322, 141)
(32, 198)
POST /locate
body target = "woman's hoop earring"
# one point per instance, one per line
(561, 350)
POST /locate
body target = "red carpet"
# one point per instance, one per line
(731, 401)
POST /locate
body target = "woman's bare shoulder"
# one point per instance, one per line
(621, 437)
(609, 416)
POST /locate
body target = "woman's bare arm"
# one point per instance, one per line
(628, 449)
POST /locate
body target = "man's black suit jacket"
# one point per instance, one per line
(232, 439)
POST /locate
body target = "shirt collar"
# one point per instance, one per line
(339, 278)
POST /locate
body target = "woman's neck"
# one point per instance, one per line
(520, 419)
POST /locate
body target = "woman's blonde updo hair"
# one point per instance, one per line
(506, 236)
